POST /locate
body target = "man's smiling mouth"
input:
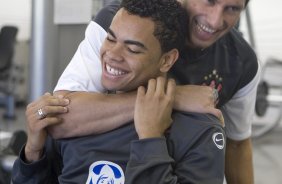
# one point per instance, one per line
(115, 71)
(202, 27)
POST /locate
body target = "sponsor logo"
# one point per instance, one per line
(105, 172)
(218, 140)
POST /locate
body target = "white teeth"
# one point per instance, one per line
(114, 71)
(205, 28)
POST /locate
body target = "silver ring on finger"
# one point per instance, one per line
(215, 94)
(41, 114)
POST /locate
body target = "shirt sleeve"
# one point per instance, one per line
(151, 161)
(84, 71)
(239, 111)
(105, 16)
(43, 171)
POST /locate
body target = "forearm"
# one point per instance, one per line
(94, 113)
(238, 162)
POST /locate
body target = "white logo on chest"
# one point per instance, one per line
(105, 172)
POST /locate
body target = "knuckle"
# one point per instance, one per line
(152, 80)
(45, 109)
(160, 78)
(30, 105)
(171, 80)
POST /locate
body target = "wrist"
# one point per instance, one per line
(32, 155)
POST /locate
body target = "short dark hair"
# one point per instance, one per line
(171, 20)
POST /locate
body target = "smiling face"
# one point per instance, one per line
(130, 54)
(211, 19)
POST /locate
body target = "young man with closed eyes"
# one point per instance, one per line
(216, 56)
(159, 146)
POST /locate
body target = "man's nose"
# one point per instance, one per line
(115, 52)
(216, 17)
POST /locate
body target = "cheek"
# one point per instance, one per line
(192, 8)
(102, 50)
(141, 69)
(232, 19)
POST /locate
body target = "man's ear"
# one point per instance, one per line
(168, 59)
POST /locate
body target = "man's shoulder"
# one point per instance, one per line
(105, 15)
(194, 130)
(194, 123)
(236, 44)
(241, 56)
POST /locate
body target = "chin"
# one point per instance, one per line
(108, 87)
(198, 44)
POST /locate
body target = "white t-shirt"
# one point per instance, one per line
(239, 111)
(84, 71)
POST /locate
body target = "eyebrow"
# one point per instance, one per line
(238, 6)
(129, 42)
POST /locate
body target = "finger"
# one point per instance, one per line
(141, 90)
(41, 114)
(48, 99)
(171, 87)
(47, 94)
(211, 96)
(212, 84)
(140, 94)
(49, 121)
(50, 106)
(151, 86)
(57, 102)
(222, 121)
(210, 93)
(34, 113)
(47, 111)
(43, 98)
(215, 95)
(51, 110)
(160, 86)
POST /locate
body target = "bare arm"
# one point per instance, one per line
(95, 113)
(239, 163)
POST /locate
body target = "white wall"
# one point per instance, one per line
(16, 12)
(267, 25)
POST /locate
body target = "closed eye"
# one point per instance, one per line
(110, 39)
(233, 9)
(133, 51)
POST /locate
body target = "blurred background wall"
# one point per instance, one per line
(63, 39)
